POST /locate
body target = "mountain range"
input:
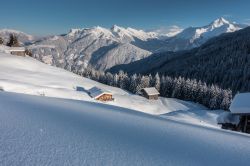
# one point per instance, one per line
(103, 48)
(223, 60)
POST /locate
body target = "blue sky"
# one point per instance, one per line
(42, 17)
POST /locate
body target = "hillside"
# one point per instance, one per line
(23, 37)
(193, 37)
(223, 60)
(102, 48)
(29, 76)
(48, 131)
(95, 47)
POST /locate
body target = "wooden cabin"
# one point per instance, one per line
(241, 106)
(19, 51)
(100, 94)
(150, 93)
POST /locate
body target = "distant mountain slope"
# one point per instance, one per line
(224, 60)
(93, 47)
(22, 37)
(103, 48)
(195, 36)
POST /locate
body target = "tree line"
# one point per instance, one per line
(194, 90)
(14, 42)
(224, 61)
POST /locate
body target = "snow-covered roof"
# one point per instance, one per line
(151, 91)
(96, 92)
(241, 104)
(16, 49)
(227, 117)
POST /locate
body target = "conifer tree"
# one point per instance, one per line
(1, 41)
(13, 41)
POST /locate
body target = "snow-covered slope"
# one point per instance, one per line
(117, 55)
(91, 46)
(47, 131)
(130, 34)
(22, 37)
(29, 76)
(94, 47)
(166, 32)
(196, 36)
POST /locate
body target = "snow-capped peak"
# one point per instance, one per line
(116, 28)
(219, 22)
(217, 27)
(130, 33)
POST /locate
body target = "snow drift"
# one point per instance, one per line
(48, 131)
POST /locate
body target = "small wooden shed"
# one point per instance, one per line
(241, 106)
(19, 51)
(100, 94)
(150, 93)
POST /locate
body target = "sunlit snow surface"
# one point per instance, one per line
(48, 131)
(29, 76)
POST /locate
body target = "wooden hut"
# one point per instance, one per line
(150, 93)
(19, 51)
(241, 106)
(100, 94)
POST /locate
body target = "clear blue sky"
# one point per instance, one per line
(43, 17)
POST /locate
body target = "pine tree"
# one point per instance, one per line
(133, 83)
(144, 82)
(1, 41)
(13, 41)
(115, 80)
(157, 82)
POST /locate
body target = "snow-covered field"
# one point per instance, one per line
(29, 76)
(36, 130)
(48, 118)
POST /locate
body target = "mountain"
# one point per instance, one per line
(95, 47)
(166, 32)
(195, 36)
(23, 37)
(223, 60)
(48, 118)
(102, 48)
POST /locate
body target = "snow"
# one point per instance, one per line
(151, 91)
(166, 32)
(227, 117)
(195, 36)
(48, 118)
(96, 92)
(37, 130)
(23, 37)
(29, 76)
(241, 104)
(6, 49)
(16, 48)
(131, 34)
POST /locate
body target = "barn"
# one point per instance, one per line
(150, 93)
(241, 106)
(19, 51)
(100, 94)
